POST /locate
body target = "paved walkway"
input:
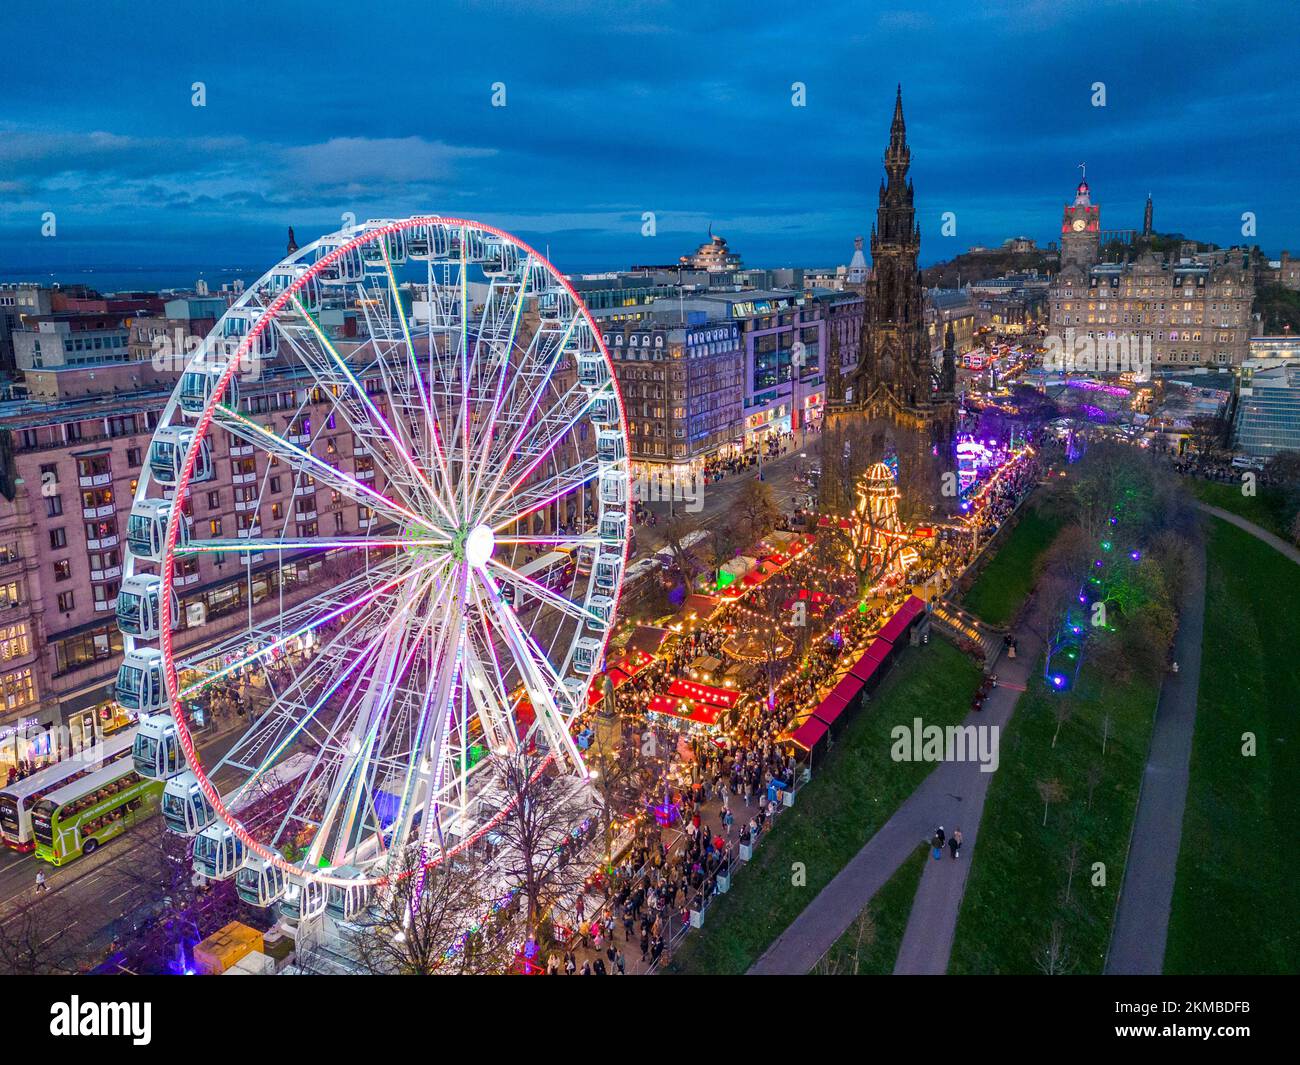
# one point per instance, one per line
(952, 796)
(1137, 944)
(1275, 542)
(1137, 941)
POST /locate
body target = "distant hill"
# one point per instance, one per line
(981, 265)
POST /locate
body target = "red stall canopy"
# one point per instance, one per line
(685, 709)
(879, 650)
(809, 734)
(723, 698)
(865, 667)
(831, 708)
(848, 687)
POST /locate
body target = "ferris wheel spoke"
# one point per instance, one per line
(432, 453)
(498, 328)
(293, 709)
(556, 540)
(254, 544)
(547, 595)
(391, 360)
(359, 421)
(315, 623)
(304, 462)
(350, 380)
(542, 493)
(489, 689)
(547, 434)
(531, 383)
(292, 618)
(428, 753)
(547, 694)
(373, 711)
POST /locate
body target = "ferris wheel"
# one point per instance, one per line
(410, 572)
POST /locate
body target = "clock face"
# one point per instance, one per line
(1079, 223)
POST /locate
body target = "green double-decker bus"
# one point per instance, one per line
(77, 818)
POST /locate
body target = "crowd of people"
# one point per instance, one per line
(736, 777)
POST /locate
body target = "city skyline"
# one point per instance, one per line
(688, 115)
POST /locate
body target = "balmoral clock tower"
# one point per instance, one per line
(1081, 231)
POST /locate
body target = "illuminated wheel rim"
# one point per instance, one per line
(430, 642)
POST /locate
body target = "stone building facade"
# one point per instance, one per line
(1188, 313)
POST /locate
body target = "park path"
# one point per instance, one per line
(1137, 940)
(1137, 944)
(953, 796)
(1275, 542)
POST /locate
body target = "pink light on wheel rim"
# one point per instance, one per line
(478, 553)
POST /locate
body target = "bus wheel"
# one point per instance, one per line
(90, 846)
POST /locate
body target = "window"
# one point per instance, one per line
(58, 538)
(66, 601)
(214, 500)
(62, 570)
(14, 641)
(106, 594)
(17, 689)
(53, 506)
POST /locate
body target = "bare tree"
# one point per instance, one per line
(34, 939)
(537, 835)
(757, 508)
(1062, 711)
(676, 533)
(1050, 791)
(1054, 958)
(1094, 778)
(838, 962)
(1072, 856)
(719, 548)
(436, 921)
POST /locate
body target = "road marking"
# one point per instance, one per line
(58, 933)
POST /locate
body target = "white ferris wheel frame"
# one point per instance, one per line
(561, 747)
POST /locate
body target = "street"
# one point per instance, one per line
(718, 500)
(84, 897)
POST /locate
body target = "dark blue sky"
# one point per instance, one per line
(684, 109)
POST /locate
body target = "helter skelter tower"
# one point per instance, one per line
(880, 542)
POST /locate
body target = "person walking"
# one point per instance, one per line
(954, 843)
(938, 842)
(40, 881)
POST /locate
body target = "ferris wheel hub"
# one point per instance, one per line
(480, 541)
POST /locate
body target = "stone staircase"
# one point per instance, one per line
(968, 632)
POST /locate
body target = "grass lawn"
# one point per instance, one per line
(1267, 509)
(870, 946)
(1016, 892)
(998, 592)
(1237, 894)
(855, 790)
